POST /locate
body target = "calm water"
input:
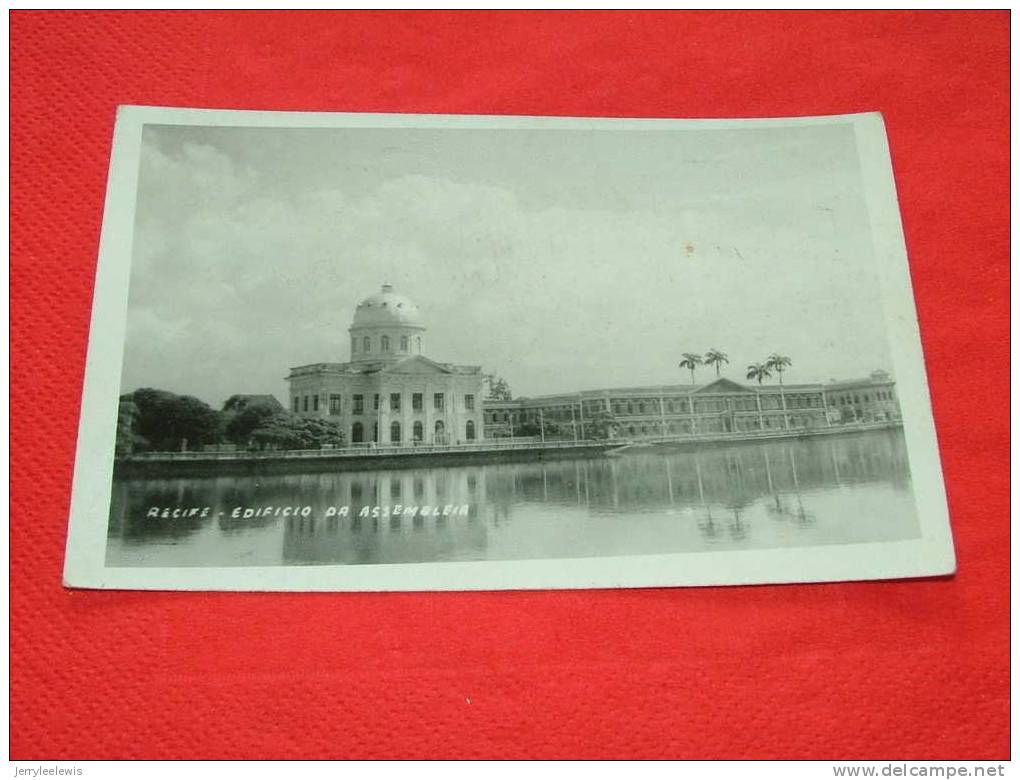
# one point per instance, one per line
(834, 490)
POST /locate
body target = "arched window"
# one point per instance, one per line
(357, 433)
(470, 430)
(395, 432)
(366, 344)
(417, 342)
(385, 344)
(375, 431)
(403, 344)
(418, 431)
(440, 432)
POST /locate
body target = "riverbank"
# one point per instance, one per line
(740, 437)
(190, 464)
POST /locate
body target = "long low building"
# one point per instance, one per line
(721, 406)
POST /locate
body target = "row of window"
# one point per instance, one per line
(310, 403)
(880, 395)
(384, 344)
(701, 406)
(717, 425)
(358, 431)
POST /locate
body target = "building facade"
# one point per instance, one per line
(722, 406)
(390, 392)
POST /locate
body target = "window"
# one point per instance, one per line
(334, 404)
(470, 430)
(375, 402)
(306, 403)
(385, 344)
(469, 402)
(394, 402)
(439, 402)
(359, 404)
(403, 344)
(315, 403)
(440, 432)
(418, 432)
(354, 344)
(297, 403)
(416, 402)
(417, 341)
(395, 432)
(366, 344)
(375, 431)
(357, 433)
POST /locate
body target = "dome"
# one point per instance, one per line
(387, 308)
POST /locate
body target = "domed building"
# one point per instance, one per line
(386, 327)
(390, 392)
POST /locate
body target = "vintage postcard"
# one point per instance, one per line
(396, 352)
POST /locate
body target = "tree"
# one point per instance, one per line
(285, 431)
(250, 417)
(174, 422)
(127, 417)
(758, 371)
(716, 358)
(778, 363)
(497, 388)
(691, 362)
(235, 403)
(543, 426)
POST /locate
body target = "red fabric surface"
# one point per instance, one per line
(898, 669)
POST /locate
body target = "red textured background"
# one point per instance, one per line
(907, 669)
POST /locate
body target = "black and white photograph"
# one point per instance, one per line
(365, 352)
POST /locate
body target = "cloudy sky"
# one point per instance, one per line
(561, 260)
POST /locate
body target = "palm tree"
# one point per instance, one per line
(691, 361)
(778, 363)
(716, 358)
(759, 371)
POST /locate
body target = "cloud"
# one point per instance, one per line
(237, 277)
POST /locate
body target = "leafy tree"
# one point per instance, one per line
(236, 403)
(285, 431)
(691, 361)
(716, 358)
(242, 423)
(173, 422)
(497, 387)
(551, 428)
(127, 416)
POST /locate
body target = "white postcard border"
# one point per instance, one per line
(930, 554)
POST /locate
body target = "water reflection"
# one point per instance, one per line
(793, 493)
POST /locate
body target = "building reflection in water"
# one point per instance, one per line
(811, 491)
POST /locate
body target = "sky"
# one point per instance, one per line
(562, 260)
